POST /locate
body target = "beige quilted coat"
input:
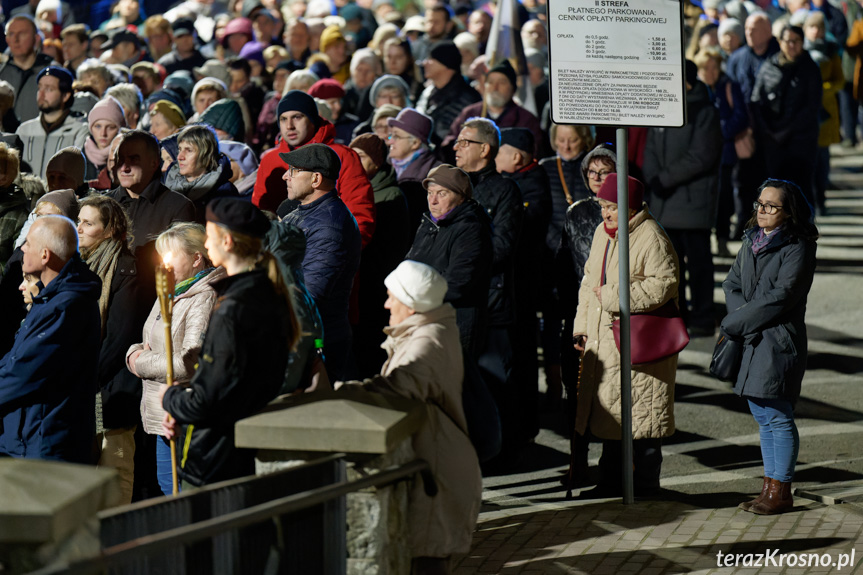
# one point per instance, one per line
(654, 276)
(190, 318)
(425, 363)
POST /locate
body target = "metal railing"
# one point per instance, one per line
(300, 532)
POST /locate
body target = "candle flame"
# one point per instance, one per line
(167, 258)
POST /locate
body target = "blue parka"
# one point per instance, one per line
(766, 299)
(48, 378)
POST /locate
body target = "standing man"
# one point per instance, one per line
(448, 94)
(682, 168)
(332, 249)
(301, 125)
(438, 27)
(22, 66)
(185, 55)
(47, 380)
(151, 206)
(54, 128)
(244, 354)
(475, 151)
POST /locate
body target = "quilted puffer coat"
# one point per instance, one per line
(654, 278)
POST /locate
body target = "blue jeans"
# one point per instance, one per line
(780, 441)
(163, 464)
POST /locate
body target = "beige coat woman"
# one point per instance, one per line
(425, 363)
(654, 276)
(190, 318)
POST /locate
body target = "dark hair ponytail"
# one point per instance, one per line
(271, 265)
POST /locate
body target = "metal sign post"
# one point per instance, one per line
(618, 63)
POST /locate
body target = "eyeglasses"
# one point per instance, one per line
(594, 175)
(464, 143)
(768, 209)
(292, 171)
(395, 137)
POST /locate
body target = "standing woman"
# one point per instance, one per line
(105, 121)
(245, 351)
(194, 298)
(104, 238)
(766, 291)
(572, 143)
(654, 279)
(201, 172)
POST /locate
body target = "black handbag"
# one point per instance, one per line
(727, 357)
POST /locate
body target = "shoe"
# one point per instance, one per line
(778, 499)
(747, 505)
(701, 331)
(847, 143)
(722, 248)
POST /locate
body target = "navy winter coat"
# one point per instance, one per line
(331, 261)
(766, 299)
(48, 378)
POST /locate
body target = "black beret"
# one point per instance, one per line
(315, 158)
(62, 74)
(519, 138)
(238, 216)
(297, 101)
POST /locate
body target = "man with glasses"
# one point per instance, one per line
(332, 246)
(681, 166)
(476, 148)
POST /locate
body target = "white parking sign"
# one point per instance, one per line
(617, 62)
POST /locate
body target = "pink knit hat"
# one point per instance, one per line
(107, 109)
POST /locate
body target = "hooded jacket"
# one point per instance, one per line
(766, 299)
(241, 369)
(209, 186)
(459, 247)
(353, 185)
(47, 380)
(40, 147)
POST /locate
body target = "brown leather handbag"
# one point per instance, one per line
(654, 335)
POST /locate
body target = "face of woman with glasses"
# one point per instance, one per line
(597, 171)
(401, 144)
(769, 209)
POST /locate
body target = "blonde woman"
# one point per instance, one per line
(194, 298)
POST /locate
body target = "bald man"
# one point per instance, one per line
(47, 380)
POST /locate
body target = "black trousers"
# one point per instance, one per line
(693, 251)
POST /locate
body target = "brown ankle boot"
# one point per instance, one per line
(747, 505)
(778, 499)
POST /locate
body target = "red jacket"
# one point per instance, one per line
(353, 186)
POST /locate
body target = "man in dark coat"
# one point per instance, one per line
(682, 168)
(185, 55)
(515, 160)
(455, 239)
(48, 379)
(333, 249)
(244, 354)
(448, 93)
(475, 151)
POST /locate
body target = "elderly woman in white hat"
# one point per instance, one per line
(425, 363)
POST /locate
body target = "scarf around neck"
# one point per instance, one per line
(401, 165)
(187, 283)
(102, 261)
(197, 188)
(97, 156)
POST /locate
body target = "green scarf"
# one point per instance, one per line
(186, 284)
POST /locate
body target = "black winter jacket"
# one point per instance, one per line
(684, 162)
(444, 105)
(459, 247)
(559, 204)
(536, 198)
(766, 299)
(241, 369)
(501, 199)
(582, 219)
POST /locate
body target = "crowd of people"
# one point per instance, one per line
(288, 160)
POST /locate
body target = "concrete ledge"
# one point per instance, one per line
(350, 420)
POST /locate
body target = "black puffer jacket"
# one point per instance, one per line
(459, 247)
(501, 199)
(766, 299)
(559, 204)
(582, 219)
(241, 369)
(444, 105)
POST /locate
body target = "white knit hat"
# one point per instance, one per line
(418, 286)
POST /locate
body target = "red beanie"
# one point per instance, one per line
(608, 191)
(326, 89)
